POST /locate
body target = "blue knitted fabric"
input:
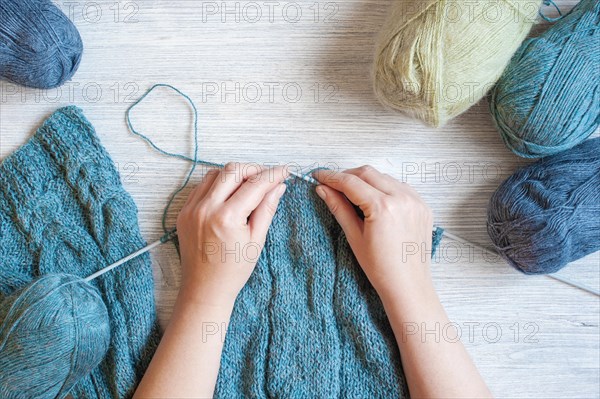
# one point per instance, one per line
(308, 324)
(63, 210)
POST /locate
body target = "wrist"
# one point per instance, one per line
(415, 293)
(204, 295)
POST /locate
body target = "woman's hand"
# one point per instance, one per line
(393, 246)
(393, 242)
(222, 229)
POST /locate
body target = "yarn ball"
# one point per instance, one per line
(52, 333)
(548, 99)
(437, 58)
(39, 46)
(548, 214)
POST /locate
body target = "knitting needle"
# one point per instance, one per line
(137, 253)
(308, 178)
(166, 238)
(552, 276)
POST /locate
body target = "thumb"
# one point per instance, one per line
(342, 210)
(262, 216)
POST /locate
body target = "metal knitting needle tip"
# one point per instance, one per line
(306, 177)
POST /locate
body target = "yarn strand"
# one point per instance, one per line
(556, 7)
(195, 161)
(169, 234)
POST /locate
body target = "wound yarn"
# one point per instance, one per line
(39, 46)
(548, 99)
(437, 58)
(53, 333)
(548, 214)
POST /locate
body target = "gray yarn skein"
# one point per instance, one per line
(547, 214)
(39, 46)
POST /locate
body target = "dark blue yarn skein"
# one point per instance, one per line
(548, 98)
(39, 46)
(53, 332)
(548, 213)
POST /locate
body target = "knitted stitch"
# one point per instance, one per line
(63, 210)
(308, 324)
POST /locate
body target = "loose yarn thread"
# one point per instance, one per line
(556, 7)
(195, 160)
(548, 99)
(39, 46)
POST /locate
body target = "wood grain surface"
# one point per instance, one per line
(289, 82)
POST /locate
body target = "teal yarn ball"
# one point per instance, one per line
(39, 46)
(53, 332)
(548, 98)
(548, 213)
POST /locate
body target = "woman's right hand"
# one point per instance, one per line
(393, 242)
(393, 246)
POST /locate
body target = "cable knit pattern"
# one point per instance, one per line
(63, 210)
(308, 324)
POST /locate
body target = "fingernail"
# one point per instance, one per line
(321, 192)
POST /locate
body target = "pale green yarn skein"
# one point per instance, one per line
(437, 58)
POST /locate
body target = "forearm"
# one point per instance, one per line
(435, 364)
(187, 361)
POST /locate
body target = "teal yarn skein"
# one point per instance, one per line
(548, 98)
(39, 46)
(58, 327)
(547, 214)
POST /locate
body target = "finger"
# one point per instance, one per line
(357, 190)
(201, 189)
(380, 181)
(262, 217)
(250, 194)
(230, 178)
(343, 211)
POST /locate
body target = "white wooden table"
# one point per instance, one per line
(290, 82)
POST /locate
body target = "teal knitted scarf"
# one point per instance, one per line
(308, 324)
